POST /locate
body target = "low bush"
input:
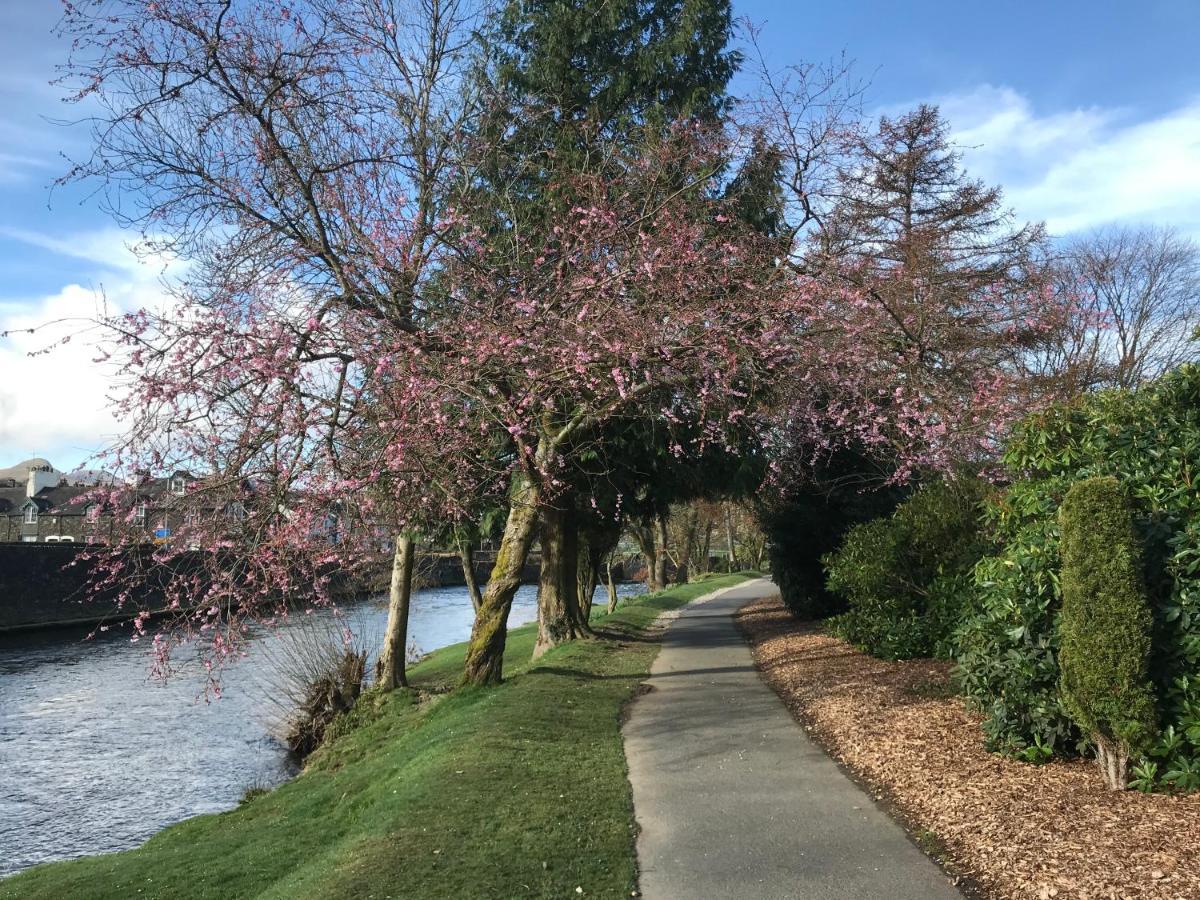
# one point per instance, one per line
(906, 577)
(1105, 628)
(1008, 648)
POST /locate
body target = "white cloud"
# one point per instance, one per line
(55, 396)
(1081, 168)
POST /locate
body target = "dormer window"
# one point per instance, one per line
(139, 514)
(31, 513)
(178, 485)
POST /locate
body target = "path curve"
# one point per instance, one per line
(732, 797)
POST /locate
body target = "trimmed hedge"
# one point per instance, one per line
(1106, 622)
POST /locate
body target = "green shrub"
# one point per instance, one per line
(906, 577)
(1007, 647)
(1105, 627)
(809, 519)
(1007, 650)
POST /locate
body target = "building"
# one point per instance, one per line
(39, 503)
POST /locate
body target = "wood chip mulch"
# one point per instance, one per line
(1006, 829)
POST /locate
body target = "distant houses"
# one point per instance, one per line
(39, 504)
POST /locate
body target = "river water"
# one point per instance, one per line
(95, 757)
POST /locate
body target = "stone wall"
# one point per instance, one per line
(41, 588)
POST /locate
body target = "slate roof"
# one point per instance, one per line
(57, 498)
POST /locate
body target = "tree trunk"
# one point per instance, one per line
(612, 588)
(587, 575)
(466, 553)
(683, 571)
(645, 539)
(660, 558)
(733, 560)
(558, 602)
(1113, 760)
(485, 652)
(704, 561)
(395, 641)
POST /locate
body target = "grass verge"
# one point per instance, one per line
(515, 791)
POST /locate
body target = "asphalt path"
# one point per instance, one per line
(732, 797)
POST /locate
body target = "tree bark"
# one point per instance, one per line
(559, 618)
(466, 553)
(395, 641)
(612, 587)
(683, 570)
(587, 576)
(704, 564)
(660, 558)
(730, 543)
(645, 539)
(485, 651)
(1113, 760)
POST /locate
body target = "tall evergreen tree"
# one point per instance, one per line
(568, 81)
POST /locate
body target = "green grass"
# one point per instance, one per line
(515, 791)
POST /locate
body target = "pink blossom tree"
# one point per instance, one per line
(300, 157)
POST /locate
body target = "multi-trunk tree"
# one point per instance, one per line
(570, 83)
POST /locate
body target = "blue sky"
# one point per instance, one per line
(1086, 113)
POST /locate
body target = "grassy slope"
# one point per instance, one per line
(516, 791)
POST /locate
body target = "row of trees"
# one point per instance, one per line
(451, 263)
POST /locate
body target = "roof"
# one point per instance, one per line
(57, 498)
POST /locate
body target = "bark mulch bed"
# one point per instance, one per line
(1007, 829)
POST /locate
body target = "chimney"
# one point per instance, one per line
(40, 477)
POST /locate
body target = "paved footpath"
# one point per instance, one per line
(734, 800)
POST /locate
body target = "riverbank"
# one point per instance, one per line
(1009, 829)
(519, 790)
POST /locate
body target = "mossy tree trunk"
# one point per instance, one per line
(485, 651)
(559, 617)
(395, 640)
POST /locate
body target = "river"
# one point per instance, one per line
(95, 757)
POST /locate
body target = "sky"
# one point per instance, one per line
(1086, 113)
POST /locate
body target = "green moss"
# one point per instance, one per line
(518, 790)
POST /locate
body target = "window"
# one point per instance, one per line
(92, 513)
(139, 514)
(178, 486)
(31, 514)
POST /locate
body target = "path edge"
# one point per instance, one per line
(878, 794)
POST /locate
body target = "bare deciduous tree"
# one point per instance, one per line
(1139, 289)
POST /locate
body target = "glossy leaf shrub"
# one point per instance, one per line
(1007, 650)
